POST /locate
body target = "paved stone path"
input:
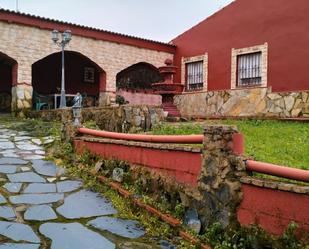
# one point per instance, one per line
(40, 207)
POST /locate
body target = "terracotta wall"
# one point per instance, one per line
(178, 163)
(245, 23)
(274, 209)
(213, 180)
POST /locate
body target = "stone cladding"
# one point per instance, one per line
(249, 102)
(32, 44)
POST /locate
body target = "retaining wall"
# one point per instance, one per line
(212, 180)
(250, 102)
(118, 118)
(182, 163)
(274, 205)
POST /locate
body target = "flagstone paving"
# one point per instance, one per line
(40, 212)
(124, 228)
(19, 246)
(68, 236)
(41, 207)
(7, 212)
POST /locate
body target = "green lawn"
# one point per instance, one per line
(279, 142)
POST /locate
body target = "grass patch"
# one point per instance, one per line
(33, 127)
(278, 142)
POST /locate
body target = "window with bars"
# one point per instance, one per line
(194, 75)
(89, 75)
(249, 69)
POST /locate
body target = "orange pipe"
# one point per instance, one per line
(277, 170)
(179, 139)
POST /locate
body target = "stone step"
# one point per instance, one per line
(172, 119)
(171, 109)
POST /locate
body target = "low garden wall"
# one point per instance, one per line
(212, 179)
(139, 98)
(119, 118)
(181, 163)
(274, 205)
(254, 102)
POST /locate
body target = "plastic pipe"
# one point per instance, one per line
(179, 139)
(277, 170)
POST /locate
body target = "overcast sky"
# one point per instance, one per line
(160, 20)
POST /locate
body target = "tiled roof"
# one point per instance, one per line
(82, 26)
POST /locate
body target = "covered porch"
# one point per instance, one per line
(81, 75)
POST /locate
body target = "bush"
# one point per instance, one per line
(120, 100)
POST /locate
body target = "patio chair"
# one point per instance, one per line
(40, 101)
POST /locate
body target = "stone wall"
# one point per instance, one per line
(205, 180)
(21, 99)
(219, 181)
(5, 102)
(124, 118)
(257, 102)
(32, 44)
(210, 182)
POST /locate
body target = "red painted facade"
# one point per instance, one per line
(245, 23)
(182, 165)
(273, 209)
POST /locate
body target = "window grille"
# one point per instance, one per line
(249, 69)
(89, 74)
(194, 75)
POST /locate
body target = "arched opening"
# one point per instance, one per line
(8, 78)
(81, 75)
(134, 84)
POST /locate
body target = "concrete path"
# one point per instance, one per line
(41, 207)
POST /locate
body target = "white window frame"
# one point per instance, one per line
(200, 58)
(263, 49)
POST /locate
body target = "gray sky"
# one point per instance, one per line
(160, 20)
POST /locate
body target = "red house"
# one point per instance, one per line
(250, 58)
